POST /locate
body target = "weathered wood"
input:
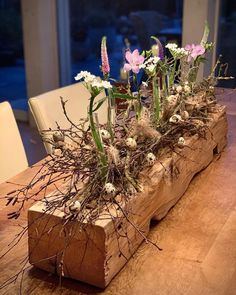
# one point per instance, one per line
(93, 255)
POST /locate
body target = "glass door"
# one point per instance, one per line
(12, 70)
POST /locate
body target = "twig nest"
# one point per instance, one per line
(179, 89)
(185, 115)
(110, 188)
(181, 142)
(187, 89)
(151, 158)
(175, 119)
(105, 134)
(75, 206)
(131, 143)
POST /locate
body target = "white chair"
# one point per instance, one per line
(48, 112)
(12, 154)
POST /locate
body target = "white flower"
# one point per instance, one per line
(181, 142)
(187, 89)
(101, 84)
(175, 119)
(171, 46)
(150, 63)
(179, 88)
(176, 51)
(109, 188)
(75, 206)
(150, 68)
(151, 158)
(87, 76)
(145, 84)
(106, 84)
(131, 143)
(105, 134)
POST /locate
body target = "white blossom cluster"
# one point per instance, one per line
(150, 63)
(176, 51)
(92, 79)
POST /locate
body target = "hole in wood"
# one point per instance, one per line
(215, 150)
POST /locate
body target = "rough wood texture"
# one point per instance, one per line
(93, 254)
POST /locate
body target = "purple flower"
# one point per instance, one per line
(134, 60)
(194, 51)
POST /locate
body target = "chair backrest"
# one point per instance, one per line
(12, 154)
(48, 112)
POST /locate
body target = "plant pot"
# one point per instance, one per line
(96, 252)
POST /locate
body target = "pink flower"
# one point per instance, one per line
(194, 51)
(134, 60)
(104, 57)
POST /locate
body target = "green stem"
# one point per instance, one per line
(156, 99)
(172, 74)
(97, 139)
(109, 114)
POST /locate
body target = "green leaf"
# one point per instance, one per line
(123, 96)
(205, 34)
(99, 103)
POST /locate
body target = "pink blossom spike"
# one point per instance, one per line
(104, 57)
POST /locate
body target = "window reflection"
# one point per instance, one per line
(125, 23)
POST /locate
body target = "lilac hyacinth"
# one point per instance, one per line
(134, 60)
(194, 51)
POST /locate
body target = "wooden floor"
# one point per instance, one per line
(198, 238)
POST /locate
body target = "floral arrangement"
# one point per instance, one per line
(99, 165)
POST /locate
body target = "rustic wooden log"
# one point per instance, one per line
(97, 252)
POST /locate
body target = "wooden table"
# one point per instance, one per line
(198, 238)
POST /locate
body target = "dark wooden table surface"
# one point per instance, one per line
(198, 238)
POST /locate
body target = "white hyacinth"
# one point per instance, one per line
(151, 158)
(175, 119)
(105, 134)
(131, 143)
(181, 142)
(109, 188)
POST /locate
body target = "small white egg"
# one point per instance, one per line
(75, 206)
(187, 89)
(151, 158)
(175, 119)
(109, 188)
(185, 115)
(181, 142)
(105, 134)
(131, 143)
(179, 88)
